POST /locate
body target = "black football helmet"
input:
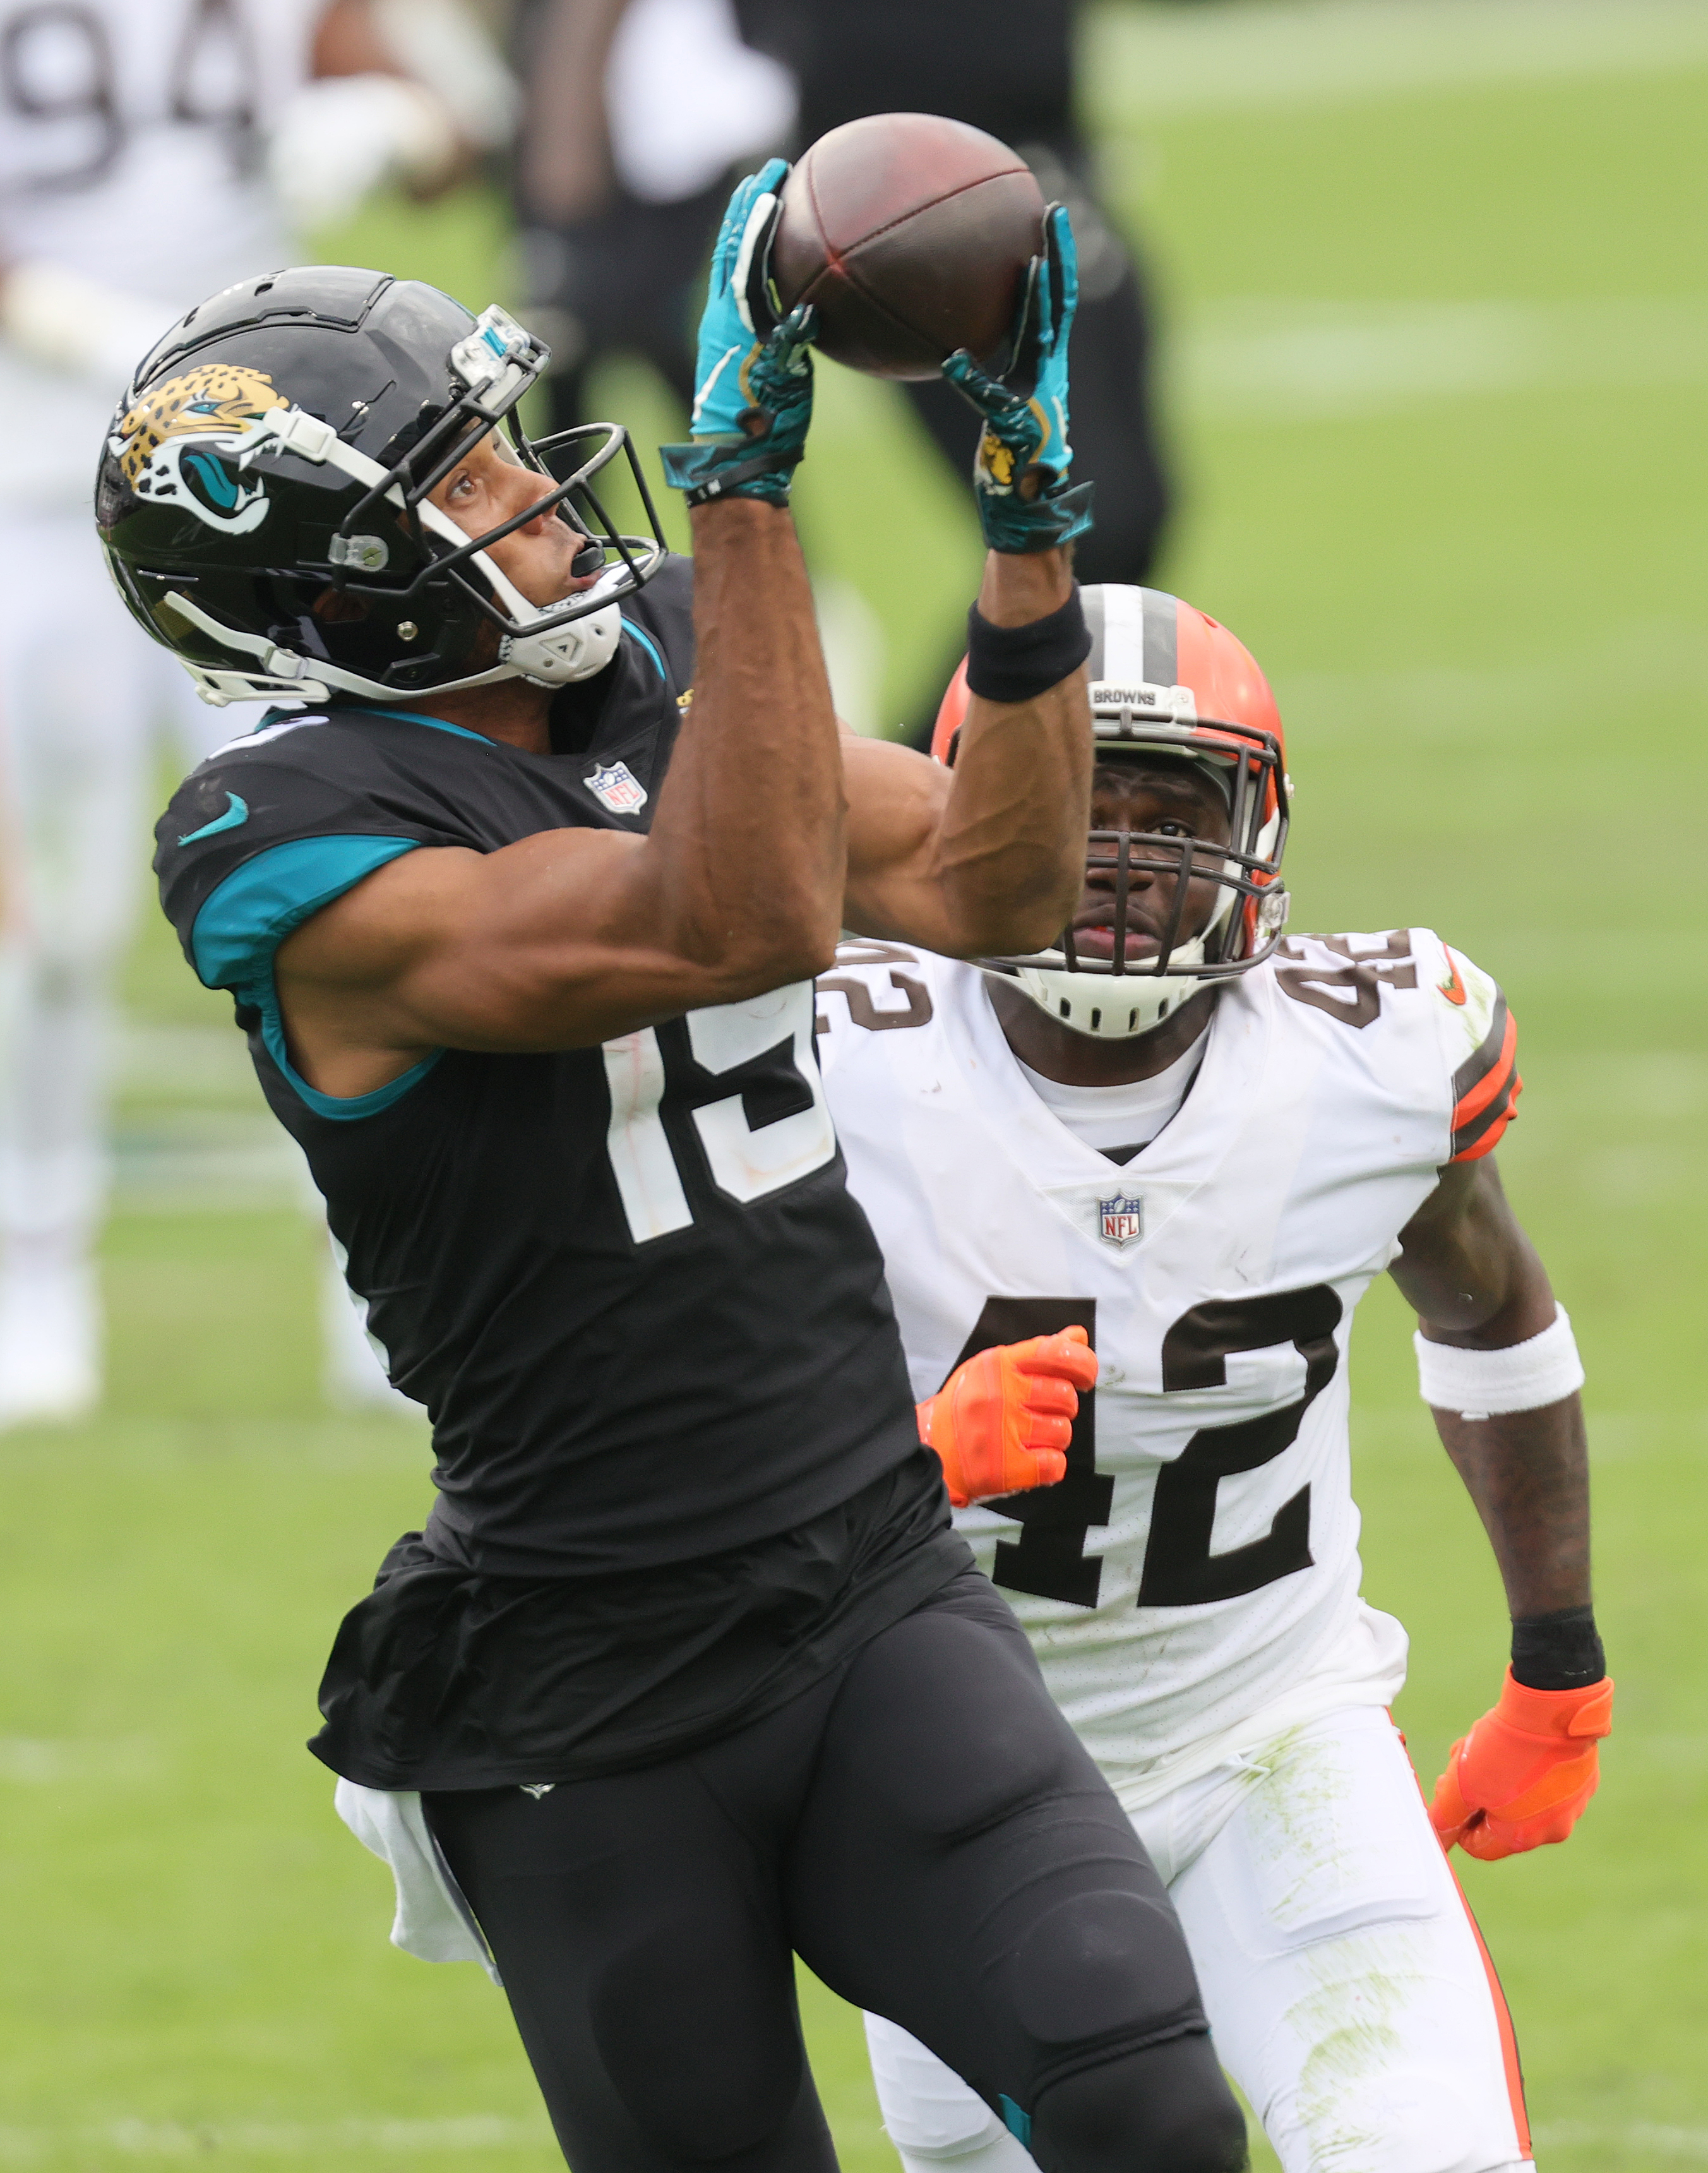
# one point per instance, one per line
(262, 497)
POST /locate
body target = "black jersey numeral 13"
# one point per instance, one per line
(1049, 1559)
(1180, 1571)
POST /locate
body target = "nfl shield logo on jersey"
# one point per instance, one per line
(617, 787)
(1120, 1220)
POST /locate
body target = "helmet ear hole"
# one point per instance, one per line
(335, 606)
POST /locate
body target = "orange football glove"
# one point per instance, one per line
(1525, 1772)
(1001, 1422)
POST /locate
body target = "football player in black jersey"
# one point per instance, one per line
(520, 903)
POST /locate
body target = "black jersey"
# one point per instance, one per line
(648, 1319)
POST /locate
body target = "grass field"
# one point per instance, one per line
(1439, 318)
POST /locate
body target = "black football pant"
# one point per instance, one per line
(927, 1832)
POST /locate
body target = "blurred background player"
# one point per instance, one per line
(1204, 1161)
(635, 110)
(634, 113)
(1008, 66)
(151, 151)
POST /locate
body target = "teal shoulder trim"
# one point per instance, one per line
(250, 914)
(648, 644)
(344, 1108)
(437, 723)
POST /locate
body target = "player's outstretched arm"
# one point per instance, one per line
(993, 861)
(572, 937)
(986, 857)
(1500, 1373)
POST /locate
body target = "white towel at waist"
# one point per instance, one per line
(433, 1920)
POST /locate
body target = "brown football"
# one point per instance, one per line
(911, 234)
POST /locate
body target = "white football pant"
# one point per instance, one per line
(86, 702)
(1345, 1983)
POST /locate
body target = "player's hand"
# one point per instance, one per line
(1525, 1772)
(1001, 1422)
(1020, 473)
(752, 396)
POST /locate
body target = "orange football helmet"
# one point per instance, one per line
(1166, 682)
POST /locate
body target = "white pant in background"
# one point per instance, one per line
(1343, 1978)
(86, 702)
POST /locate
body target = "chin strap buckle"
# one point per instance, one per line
(219, 689)
(285, 429)
(563, 653)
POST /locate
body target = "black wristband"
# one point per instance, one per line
(1557, 1652)
(1017, 663)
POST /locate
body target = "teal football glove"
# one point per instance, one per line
(1019, 473)
(753, 397)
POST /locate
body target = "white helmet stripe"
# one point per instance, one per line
(1091, 603)
(1124, 636)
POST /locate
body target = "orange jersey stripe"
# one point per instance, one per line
(1490, 1084)
(1491, 1138)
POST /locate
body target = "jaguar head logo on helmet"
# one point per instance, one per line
(173, 444)
(1190, 894)
(265, 497)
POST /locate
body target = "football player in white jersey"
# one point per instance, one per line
(150, 151)
(1201, 1141)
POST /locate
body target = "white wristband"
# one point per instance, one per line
(1477, 1384)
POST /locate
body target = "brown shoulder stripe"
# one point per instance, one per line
(1490, 1055)
(1486, 1087)
(1483, 1134)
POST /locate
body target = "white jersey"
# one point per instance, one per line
(1194, 1581)
(130, 135)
